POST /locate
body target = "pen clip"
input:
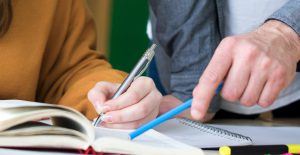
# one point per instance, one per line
(142, 70)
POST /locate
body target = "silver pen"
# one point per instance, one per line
(137, 71)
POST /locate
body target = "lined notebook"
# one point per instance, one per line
(216, 135)
(201, 135)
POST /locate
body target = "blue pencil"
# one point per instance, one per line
(170, 114)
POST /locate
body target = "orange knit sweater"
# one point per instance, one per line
(48, 55)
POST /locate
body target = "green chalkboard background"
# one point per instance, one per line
(128, 39)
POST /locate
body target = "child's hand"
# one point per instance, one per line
(138, 105)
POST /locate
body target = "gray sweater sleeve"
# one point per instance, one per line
(188, 32)
(290, 15)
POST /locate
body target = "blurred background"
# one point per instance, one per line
(121, 30)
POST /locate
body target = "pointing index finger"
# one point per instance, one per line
(213, 75)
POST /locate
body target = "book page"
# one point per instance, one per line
(39, 128)
(7, 151)
(115, 140)
(19, 103)
(16, 112)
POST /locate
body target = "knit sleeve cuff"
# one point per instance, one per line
(288, 14)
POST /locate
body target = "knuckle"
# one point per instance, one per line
(143, 111)
(230, 95)
(210, 77)
(250, 54)
(147, 82)
(247, 102)
(118, 118)
(266, 63)
(267, 100)
(253, 48)
(280, 83)
(272, 78)
(133, 96)
(158, 96)
(264, 103)
(229, 41)
(281, 72)
(279, 76)
(91, 95)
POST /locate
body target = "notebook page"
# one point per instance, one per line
(267, 135)
(200, 138)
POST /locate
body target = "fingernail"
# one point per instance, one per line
(107, 118)
(196, 114)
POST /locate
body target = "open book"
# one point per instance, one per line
(20, 127)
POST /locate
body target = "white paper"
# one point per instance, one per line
(202, 139)
(19, 103)
(266, 135)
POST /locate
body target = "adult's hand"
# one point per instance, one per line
(255, 67)
(138, 105)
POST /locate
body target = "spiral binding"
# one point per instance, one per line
(214, 130)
